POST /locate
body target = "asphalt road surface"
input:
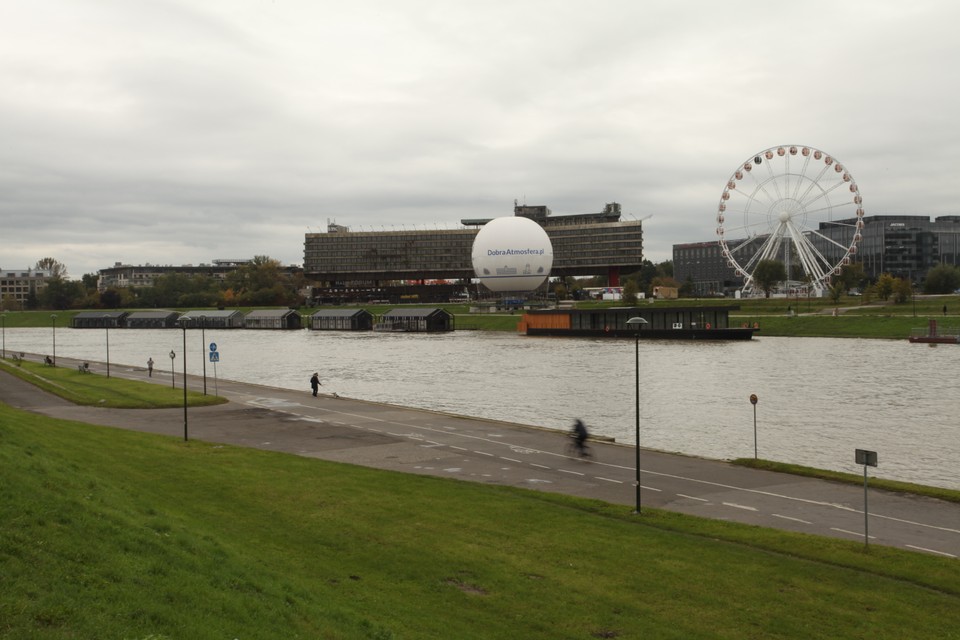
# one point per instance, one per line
(430, 443)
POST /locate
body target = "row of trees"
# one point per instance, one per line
(943, 278)
(649, 276)
(261, 282)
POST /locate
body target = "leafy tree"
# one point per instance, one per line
(56, 268)
(90, 281)
(767, 274)
(836, 292)
(262, 282)
(852, 276)
(943, 278)
(902, 290)
(884, 286)
(630, 291)
(111, 298)
(61, 294)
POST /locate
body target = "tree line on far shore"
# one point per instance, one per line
(261, 282)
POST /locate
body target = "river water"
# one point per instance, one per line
(819, 398)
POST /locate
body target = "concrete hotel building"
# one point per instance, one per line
(583, 245)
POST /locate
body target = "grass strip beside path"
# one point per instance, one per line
(119, 534)
(940, 493)
(91, 389)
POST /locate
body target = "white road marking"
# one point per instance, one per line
(738, 506)
(542, 466)
(484, 453)
(510, 460)
(649, 488)
(608, 479)
(939, 553)
(458, 448)
(576, 473)
(850, 533)
(489, 439)
(683, 495)
(777, 515)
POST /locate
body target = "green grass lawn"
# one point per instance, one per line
(108, 533)
(99, 391)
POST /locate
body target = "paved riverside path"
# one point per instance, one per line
(479, 450)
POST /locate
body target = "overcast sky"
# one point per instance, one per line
(176, 132)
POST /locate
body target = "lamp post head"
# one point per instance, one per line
(638, 321)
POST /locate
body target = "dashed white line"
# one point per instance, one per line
(683, 495)
(458, 448)
(738, 506)
(510, 460)
(484, 453)
(608, 479)
(650, 488)
(939, 553)
(576, 473)
(542, 466)
(777, 515)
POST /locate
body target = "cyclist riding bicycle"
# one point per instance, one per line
(580, 435)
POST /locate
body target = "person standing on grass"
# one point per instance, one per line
(315, 383)
(150, 367)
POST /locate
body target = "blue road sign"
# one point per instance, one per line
(214, 356)
(213, 347)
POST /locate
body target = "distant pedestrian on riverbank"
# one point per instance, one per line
(315, 383)
(150, 367)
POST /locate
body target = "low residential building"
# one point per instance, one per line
(19, 286)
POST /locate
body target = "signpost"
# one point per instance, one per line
(214, 358)
(753, 401)
(867, 459)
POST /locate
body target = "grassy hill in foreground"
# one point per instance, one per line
(108, 533)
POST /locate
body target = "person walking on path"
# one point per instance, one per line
(150, 367)
(315, 383)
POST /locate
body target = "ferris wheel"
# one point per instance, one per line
(794, 204)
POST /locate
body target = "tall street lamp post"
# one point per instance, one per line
(203, 349)
(106, 326)
(53, 320)
(638, 322)
(183, 325)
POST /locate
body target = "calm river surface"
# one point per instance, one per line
(820, 398)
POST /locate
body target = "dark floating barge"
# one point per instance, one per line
(660, 323)
(935, 335)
